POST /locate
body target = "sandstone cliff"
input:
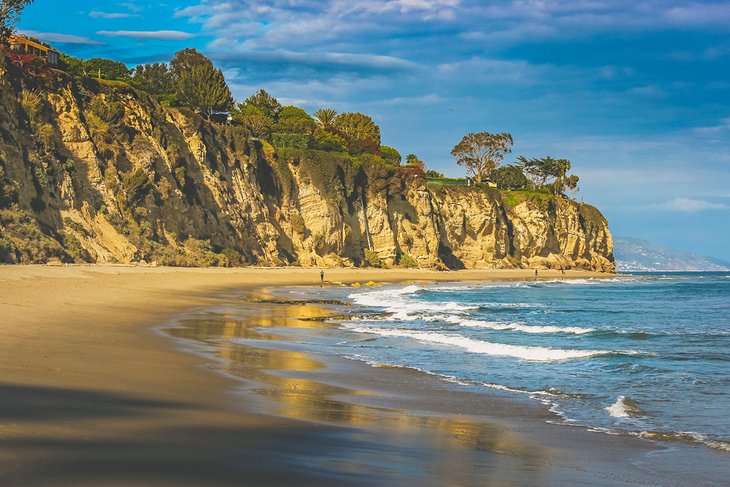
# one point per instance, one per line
(99, 172)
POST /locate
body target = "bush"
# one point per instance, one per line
(328, 141)
(295, 141)
(372, 259)
(390, 155)
(509, 177)
(136, 184)
(109, 111)
(407, 261)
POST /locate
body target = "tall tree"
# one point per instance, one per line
(199, 84)
(544, 169)
(510, 177)
(294, 120)
(325, 117)
(155, 79)
(358, 127)
(261, 103)
(480, 153)
(10, 11)
(106, 69)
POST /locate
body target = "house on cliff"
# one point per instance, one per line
(24, 45)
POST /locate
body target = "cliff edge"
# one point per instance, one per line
(96, 171)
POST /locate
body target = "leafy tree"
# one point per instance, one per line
(106, 69)
(258, 125)
(482, 152)
(10, 11)
(413, 161)
(328, 141)
(390, 155)
(199, 84)
(542, 170)
(261, 103)
(325, 117)
(359, 128)
(73, 66)
(510, 177)
(434, 174)
(156, 79)
(294, 120)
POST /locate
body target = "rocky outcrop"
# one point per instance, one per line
(99, 172)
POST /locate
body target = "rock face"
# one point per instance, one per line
(99, 172)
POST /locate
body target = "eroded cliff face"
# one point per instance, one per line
(99, 172)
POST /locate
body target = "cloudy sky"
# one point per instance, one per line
(635, 93)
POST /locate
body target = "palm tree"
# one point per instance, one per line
(325, 117)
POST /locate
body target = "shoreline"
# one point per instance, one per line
(88, 379)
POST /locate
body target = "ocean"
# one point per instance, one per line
(645, 355)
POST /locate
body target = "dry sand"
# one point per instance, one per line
(91, 395)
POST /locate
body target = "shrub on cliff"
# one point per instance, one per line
(509, 177)
(200, 85)
(372, 259)
(407, 261)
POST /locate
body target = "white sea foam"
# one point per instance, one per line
(496, 325)
(537, 354)
(624, 408)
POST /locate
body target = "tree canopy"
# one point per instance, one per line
(358, 127)
(390, 155)
(325, 117)
(156, 79)
(547, 169)
(261, 103)
(10, 11)
(199, 84)
(294, 120)
(482, 152)
(509, 177)
(106, 69)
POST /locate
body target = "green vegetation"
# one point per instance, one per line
(10, 11)
(407, 261)
(157, 80)
(200, 84)
(325, 118)
(106, 69)
(550, 172)
(481, 153)
(538, 198)
(510, 177)
(372, 259)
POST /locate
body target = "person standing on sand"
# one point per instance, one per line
(321, 275)
(535, 272)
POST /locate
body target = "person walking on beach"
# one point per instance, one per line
(535, 272)
(321, 275)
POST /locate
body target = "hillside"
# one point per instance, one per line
(635, 255)
(97, 171)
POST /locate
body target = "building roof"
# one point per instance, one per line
(25, 40)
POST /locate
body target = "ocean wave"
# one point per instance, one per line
(685, 437)
(625, 407)
(496, 325)
(531, 353)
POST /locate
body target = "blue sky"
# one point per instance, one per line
(635, 93)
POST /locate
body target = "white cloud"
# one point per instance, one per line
(97, 14)
(170, 35)
(689, 205)
(61, 38)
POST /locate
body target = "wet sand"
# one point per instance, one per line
(93, 394)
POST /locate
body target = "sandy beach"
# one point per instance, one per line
(93, 394)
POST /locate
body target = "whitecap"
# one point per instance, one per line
(624, 407)
(537, 354)
(521, 327)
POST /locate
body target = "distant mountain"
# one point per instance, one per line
(635, 255)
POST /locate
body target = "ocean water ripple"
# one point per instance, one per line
(646, 355)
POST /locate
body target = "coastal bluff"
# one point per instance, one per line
(97, 171)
